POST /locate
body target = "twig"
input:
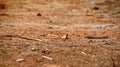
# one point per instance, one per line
(96, 37)
(46, 57)
(22, 37)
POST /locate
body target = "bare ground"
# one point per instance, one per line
(49, 21)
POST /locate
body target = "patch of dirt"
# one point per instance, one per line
(59, 31)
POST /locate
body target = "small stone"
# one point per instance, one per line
(45, 51)
(33, 49)
(50, 27)
(2, 6)
(39, 14)
(96, 8)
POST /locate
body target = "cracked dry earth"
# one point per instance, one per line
(49, 21)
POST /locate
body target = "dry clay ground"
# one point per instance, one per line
(49, 21)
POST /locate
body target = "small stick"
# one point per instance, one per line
(22, 37)
(96, 37)
(49, 58)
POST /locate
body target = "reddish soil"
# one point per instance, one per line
(52, 21)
